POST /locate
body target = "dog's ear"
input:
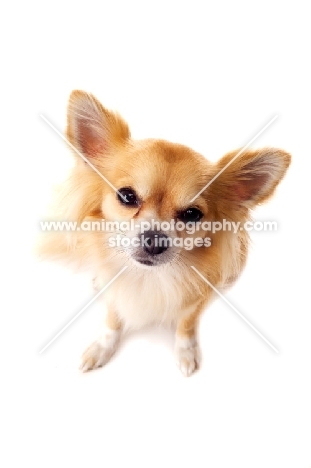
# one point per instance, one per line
(91, 129)
(245, 179)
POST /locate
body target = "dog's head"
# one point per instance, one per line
(164, 191)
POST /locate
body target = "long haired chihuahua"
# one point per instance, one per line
(151, 208)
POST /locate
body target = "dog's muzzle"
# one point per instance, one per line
(153, 248)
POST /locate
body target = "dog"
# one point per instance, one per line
(157, 263)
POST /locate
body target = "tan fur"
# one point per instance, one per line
(166, 176)
(112, 320)
(187, 326)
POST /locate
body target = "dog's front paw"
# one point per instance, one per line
(95, 356)
(187, 354)
(99, 352)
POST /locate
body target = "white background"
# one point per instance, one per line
(209, 75)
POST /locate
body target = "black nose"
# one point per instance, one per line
(154, 242)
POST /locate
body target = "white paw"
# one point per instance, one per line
(187, 355)
(99, 352)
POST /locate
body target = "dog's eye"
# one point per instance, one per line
(128, 198)
(190, 215)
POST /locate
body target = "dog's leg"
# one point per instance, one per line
(187, 351)
(99, 352)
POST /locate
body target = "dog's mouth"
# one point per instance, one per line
(154, 262)
(145, 262)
